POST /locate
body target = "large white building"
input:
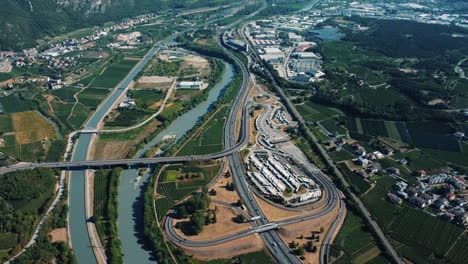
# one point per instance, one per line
(190, 85)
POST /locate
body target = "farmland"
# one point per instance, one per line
(162, 206)
(92, 97)
(7, 240)
(31, 127)
(189, 179)
(28, 130)
(357, 183)
(66, 94)
(354, 241)
(5, 124)
(106, 210)
(411, 227)
(113, 74)
(209, 139)
(146, 98)
(14, 103)
(315, 112)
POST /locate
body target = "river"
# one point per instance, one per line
(78, 230)
(130, 222)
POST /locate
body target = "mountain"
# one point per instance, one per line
(22, 22)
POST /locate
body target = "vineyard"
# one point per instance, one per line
(100, 193)
(353, 240)
(162, 206)
(357, 183)
(459, 254)
(7, 240)
(422, 235)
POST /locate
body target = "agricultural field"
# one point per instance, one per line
(169, 111)
(333, 126)
(15, 103)
(92, 97)
(146, 98)
(126, 117)
(27, 131)
(5, 123)
(314, 112)
(189, 179)
(31, 127)
(113, 74)
(419, 160)
(66, 94)
(358, 184)
(209, 139)
(341, 155)
(355, 242)
(79, 115)
(412, 228)
(7, 240)
(163, 205)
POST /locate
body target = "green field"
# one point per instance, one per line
(92, 97)
(210, 138)
(341, 155)
(66, 94)
(100, 193)
(7, 240)
(354, 241)
(419, 160)
(25, 152)
(79, 116)
(177, 190)
(113, 74)
(146, 98)
(412, 227)
(5, 123)
(162, 206)
(15, 103)
(314, 112)
(170, 111)
(171, 175)
(358, 184)
(333, 126)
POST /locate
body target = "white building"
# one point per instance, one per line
(190, 85)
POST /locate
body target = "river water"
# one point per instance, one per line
(130, 223)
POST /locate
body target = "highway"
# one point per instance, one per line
(233, 145)
(378, 231)
(261, 226)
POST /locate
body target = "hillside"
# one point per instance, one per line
(23, 22)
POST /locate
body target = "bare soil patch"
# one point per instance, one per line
(227, 250)
(58, 235)
(295, 231)
(224, 225)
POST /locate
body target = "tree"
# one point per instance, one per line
(239, 218)
(214, 219)
(308, 246)
(212, 192)
(292, 244)
(321, 229)
(182, 212)
(300, 251)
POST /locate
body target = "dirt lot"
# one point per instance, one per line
(154, 82)
(274, 213)
(200, 64)
(30, 127)
(227, 250)
(293, 233)
(96, 55)
(58, 235)
(222, 194)
(224, 225)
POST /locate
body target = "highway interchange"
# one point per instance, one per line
(233, 145)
